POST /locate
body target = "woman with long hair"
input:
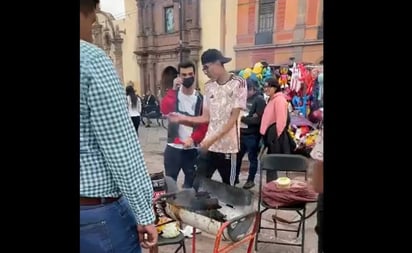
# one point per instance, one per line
(134, 105)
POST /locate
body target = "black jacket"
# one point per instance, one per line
(282, 145)
(255, 105)
(173, 128)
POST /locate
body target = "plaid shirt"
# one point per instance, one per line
(111, 160)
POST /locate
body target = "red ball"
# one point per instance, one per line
(317, 115)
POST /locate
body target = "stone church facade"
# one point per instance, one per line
(161, 43)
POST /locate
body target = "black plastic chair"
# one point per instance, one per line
(180, 240)
(272, 163)
(171, 187)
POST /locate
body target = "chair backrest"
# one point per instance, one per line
(284, 162)
(272, 163)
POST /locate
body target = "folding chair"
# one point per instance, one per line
(286, 163)
(180, 239)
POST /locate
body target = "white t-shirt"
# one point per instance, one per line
(220, 100)
(186, 103)
(266, 97)
(134, 111)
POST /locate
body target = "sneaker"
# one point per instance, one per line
(249, 184)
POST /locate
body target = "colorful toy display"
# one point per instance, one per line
(300, 104)
(284, 77)
(260, 72)
(304, 133)
(303, 87)
(295, 82)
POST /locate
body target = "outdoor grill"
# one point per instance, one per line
(217, 209)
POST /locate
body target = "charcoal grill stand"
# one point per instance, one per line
(242, 223)
(241, 226)
(249, 238)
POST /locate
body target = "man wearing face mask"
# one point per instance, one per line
(181, 152)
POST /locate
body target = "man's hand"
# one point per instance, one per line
(174, 117)
(188, 142)
(177, 82)
(205, 144)
(147, 235)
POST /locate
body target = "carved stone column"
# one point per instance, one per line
(118, 54)
(196, 11)
(150, 25)
(98, 34)
(152, 73)
(140, 19)
(107, 40)
(152, 20)
(145, 18)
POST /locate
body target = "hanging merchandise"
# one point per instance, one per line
(302, 75)
(310, 79)
(295, 83)
(304, 85)
(259, 73)
(320, 94)
(317, 94)
(304, 134)
(300, 103)
(245, 73)
(304, 125)
(284, 77)
(297, 90)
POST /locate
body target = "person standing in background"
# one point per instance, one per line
(181, 152)
(135, 107)
(249, 132)
(150, 106)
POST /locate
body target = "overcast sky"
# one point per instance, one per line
(115, 7)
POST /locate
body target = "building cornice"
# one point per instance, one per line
(273, 46)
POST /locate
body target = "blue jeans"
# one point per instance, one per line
(248, 144)
(108, 228)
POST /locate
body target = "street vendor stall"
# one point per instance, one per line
(303, 84)
(304, 133)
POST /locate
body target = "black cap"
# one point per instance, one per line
(212, 55)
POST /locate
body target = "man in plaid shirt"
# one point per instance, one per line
(116, 211)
